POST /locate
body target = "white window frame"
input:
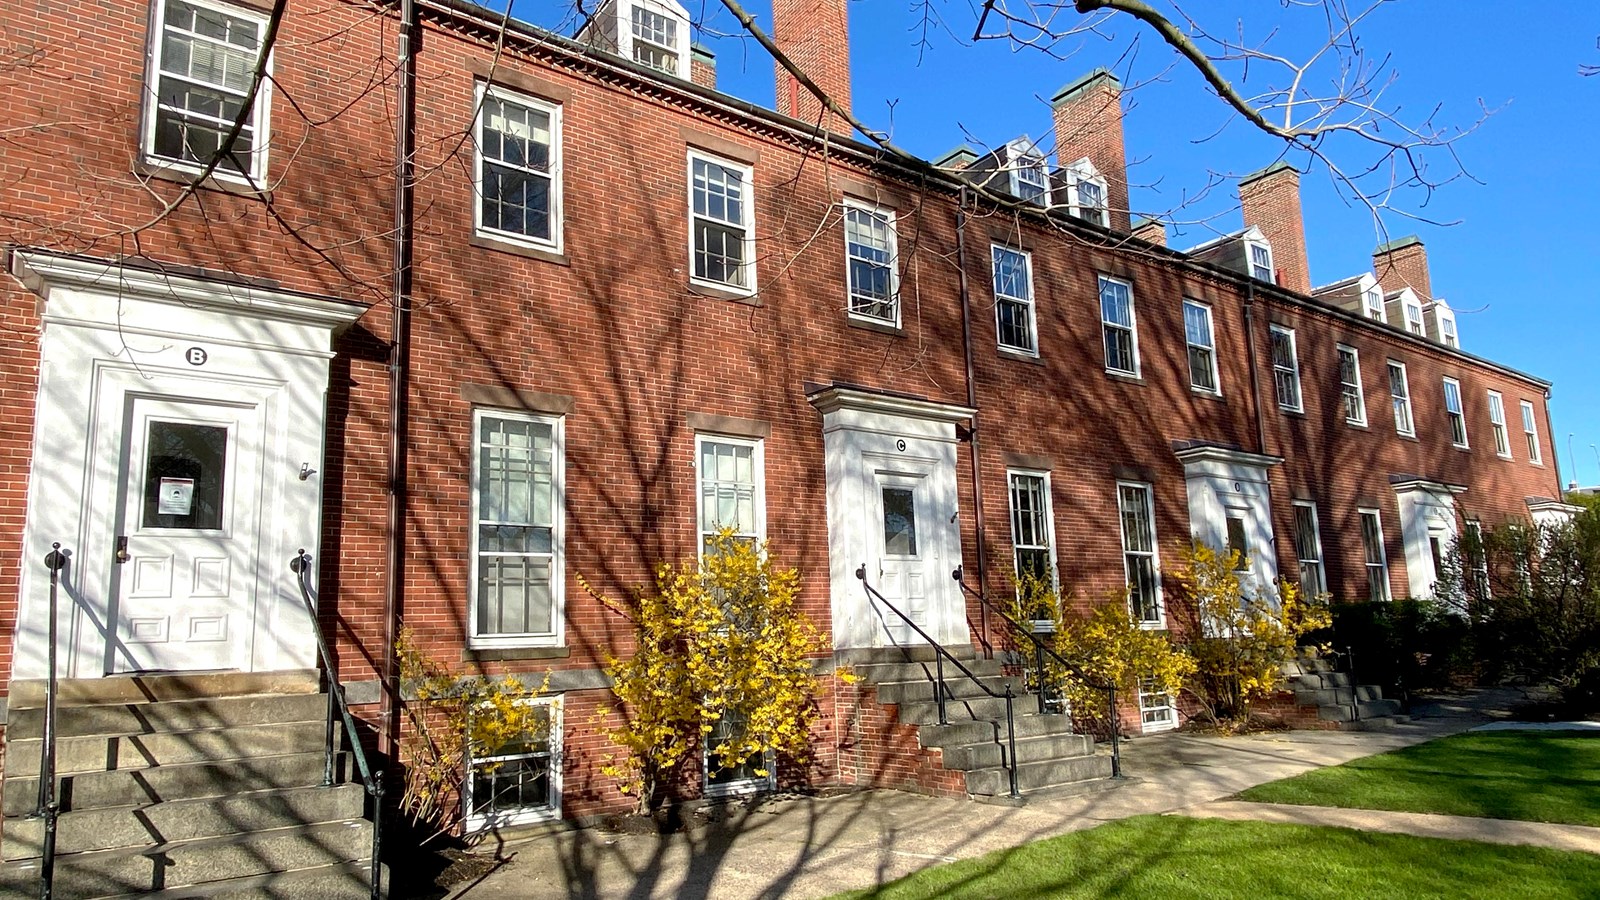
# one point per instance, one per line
(1027, 302)
(1456, 417)
(1209, 349)
(1477, 566)
(1291, 371)
(1131, 329)
(1400, 402)
(1048, 526)
(1320, 560)
(260, 111)
(1251, 266)
(626, 39)
(485, 92)
(1154, 553)
(1530, 433)
(1165, 712)
(1382, 563)
(1449, 335)
(1084, 172)
(1360, 417)
(1497, 424)
(1373, 299)
(475, 821)
(887, 216)
(758, 463)
(1414, 323)
(741, 787)
(1023, 155)
(746, 175)
(558, 500)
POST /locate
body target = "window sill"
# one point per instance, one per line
(186, 176)
(1125, 378)
(1293, 413)
(1020, 356)
(1464, 448)
(1360, 425)
(725, 293)
(505, 245)
(1407, 437)
(507, 654)
(1207, 395)
(877, 325)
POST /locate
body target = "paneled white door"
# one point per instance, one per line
(906, 554)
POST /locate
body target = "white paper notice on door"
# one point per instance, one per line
(176, 497)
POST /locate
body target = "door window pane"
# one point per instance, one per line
(183, 475)
(899, 522)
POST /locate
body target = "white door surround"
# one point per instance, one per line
(893, 513)
(177, 457)
(1225, 484)
(1427, 526)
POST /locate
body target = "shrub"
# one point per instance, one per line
(1406, 645)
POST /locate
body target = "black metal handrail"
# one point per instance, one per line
(339, 709)
(1040, 649)
(939, 691)
(49, 805)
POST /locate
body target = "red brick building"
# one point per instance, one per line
(639, 308)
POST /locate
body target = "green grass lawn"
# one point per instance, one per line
(1538, 776)
(1171, 858)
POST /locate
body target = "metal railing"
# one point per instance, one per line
(49, 805)
(939, 690)
(1040, 651)
(339, 710)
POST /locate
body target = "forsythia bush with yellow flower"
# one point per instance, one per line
(723, 637)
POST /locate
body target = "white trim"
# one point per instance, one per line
(1321, 558)
(525, 815)
(1023, 153)
(1293, 370)
(1160, 620)
(1370, 291)
(1168, 707)
(1028, 302)
(1251, 244)
(484, 92)
(1383, 550)
(1397, 401)
(1132, 328)
(1497, 425)
(888, 217)
(1409, 303)
(844, 398)
(758, 474)
(1049, 528)
(1456, 417)
(1081, 172)
(1530, 433)
(1360, 419)
(667, 8)
(747, 206)
(1211, 331)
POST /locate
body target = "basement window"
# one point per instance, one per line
(520, 782)
(1157, 712)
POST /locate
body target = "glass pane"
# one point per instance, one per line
(1371, 538)
(514, 594)
(1238, 542)
(1136, 531)
(899, 522)
(511, 785)
(183, 475)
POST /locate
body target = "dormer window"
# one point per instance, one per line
(1413, 310)
(1261, 262)
(652, 33)
(1086, 192)
(1373, 300)
(1030, 181)
(1444, 319)
(655, 39)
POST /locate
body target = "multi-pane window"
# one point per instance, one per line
(721, 233)
(1400, 392)
(1157, 712)
(1013, 299)
(1091, 205)
(1031, 180)
(1308, 549)
(1261, 262)
(1350, 393)
(1202, 347)
(1453, 411)
(1286, 369)
(1116, 321)
(1031, 526)
(1447, 328)
(748, 775)
(869, 241)
(1530, 431)
(655, 39)
(1376, 558)
(519, 182)
(1497, 423)
(1139, 552)
(517, 490)
(1238, 541)
(201, 67)
(1476, 557)
(520, 780)
(729, 472)
(1373, 298)
(1413, 313)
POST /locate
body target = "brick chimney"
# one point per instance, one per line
(1088, 115)
(702, 66)
(1403, 263)
(815, 35)
(1271, 201)
(1150, 231)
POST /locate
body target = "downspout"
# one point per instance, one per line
(1255, 370)
(399, 370)
(972, 403)
(1555, 455)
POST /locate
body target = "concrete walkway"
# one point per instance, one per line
(807, 847)
(1464, 828)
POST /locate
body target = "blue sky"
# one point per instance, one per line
(1521, 264)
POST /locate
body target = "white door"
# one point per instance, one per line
(186, 537)
(906, 550)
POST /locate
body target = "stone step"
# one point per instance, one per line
(1379, 723)
(990, 754)
(1320, 681)
(179, 782)
(103, 873)
(885, 673)
(166, 748)
(961, 686)
(1370, 709)
(1337, 696)
(107, 828)
(981, 708)
(344, 881)
(1034, 776)
(117, 689)
(173, 715)
(875, 656)
(958, 733)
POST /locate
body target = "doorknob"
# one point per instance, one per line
(122, 549)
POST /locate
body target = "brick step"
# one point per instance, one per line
(959, 687)
(988, 754)
(1034, 776)
(959, 733)
(1370, 709)
(344, 881)
(1337, 696)
(103, 873)
(178, 782)
(166, 748)
(108, 828)
(172, 715)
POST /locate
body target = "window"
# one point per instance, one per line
(521, 782)
(1373, 299)
(201, 63)
(1447, 327)
(1530, 431)
(1452, 410)
(1497, 422)
(1261, 262)
(1139, 552)
(1032, 528)
(869, 242)
(1030, 180)
(655, 39)
(1350, 393)
(1308, 549)
(721, 230)
(1377, 561)
(1286, 369)
(1413, 309)
(1087, 199)
(1013, 299)
(1157, 712)
(749, 775)
(1476, 557)
(1400, 390)
(1202, 347)
(729, 473)
(518, 171)
(1116, 319)
(1238, 543)
(517, 544)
